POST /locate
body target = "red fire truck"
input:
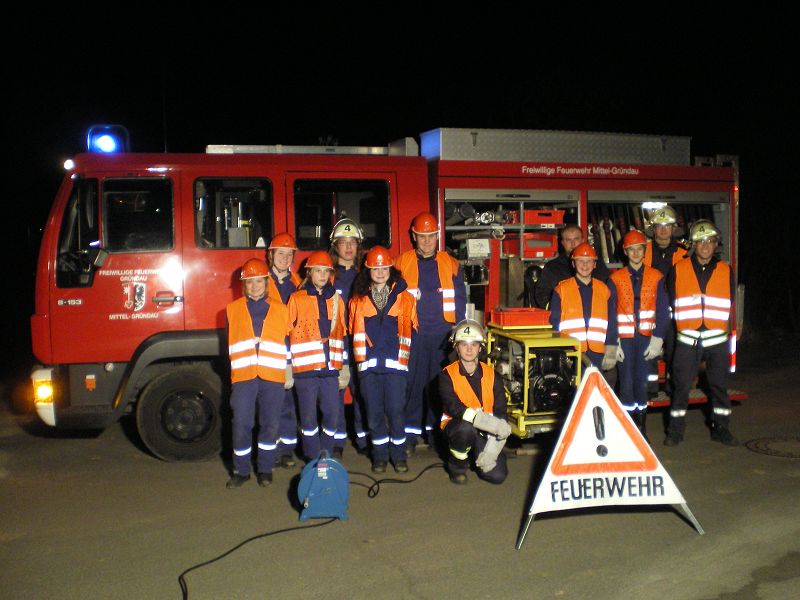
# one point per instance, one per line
(141, 252)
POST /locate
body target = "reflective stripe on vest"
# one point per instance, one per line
(305, 341)
(447, 267)
(647, 301)
(591, 335)
(404, 309)
(465, 392)
(269, 361)
(693, 309)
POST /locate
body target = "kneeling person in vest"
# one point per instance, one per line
(702, 292)
(581, 307)
(642, 318)
(256, 344)
(316, 342)
(382, 318)
(474, 403)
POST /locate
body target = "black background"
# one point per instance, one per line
(183, 76)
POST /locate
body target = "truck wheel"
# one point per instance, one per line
(178, 414)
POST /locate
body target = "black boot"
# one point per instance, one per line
(640, 418)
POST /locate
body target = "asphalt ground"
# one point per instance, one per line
(95, 516)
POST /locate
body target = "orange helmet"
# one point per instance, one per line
(584, 251)
(425, 223)
(633, 238)
(319, 258)
(253, 268)
(378, 257)
(282, 240)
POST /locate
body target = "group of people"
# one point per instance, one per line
(663, 302)
(380, 326)
(384, 328)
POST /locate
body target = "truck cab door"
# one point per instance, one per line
(118, 269)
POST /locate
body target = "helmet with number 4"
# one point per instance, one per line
(378, 257)
(703, 230)
(347, 227)
(664, 216)
(468, 330)
(254, 268)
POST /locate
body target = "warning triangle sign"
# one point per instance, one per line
(601, 459)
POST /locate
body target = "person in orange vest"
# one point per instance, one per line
(642, 314)
(665, 252)
(316, 341)
(256, 344)
(702, 291)
(583, 307)
(281, 284)
(382, 318)
(474, 404)
(662, 253)
(435, 279)
(346, 253)
(560, 268)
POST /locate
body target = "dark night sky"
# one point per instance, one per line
(251, 77)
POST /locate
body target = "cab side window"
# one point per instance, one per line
(138, 215)
(80, 234)
(232, 213)
(318, 204)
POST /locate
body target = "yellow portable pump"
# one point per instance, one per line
(540, 368)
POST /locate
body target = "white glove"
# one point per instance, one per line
(609, 358)
(344, 376)
(654, 348)
(289, 383)
(620, 354)
(487, 459)
(491, 424)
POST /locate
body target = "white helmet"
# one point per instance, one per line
(347, 227)
(703, 229)
(664, 216)
(468, 330)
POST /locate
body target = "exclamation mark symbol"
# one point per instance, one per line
(599, 430)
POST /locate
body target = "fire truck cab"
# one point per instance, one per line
(141, 252)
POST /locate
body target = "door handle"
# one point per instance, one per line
(167, 299)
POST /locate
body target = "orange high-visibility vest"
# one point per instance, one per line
(404, 308)
(272, 289)
(305, 341)
(251, 357)
(647, 301)
(448, 268)
(465, 392)
(572, 322)
(693, 309)
(677, 256)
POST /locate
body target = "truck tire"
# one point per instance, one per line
(178, 414)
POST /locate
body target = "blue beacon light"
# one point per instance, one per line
(107, 139)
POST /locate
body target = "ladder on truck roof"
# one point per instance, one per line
(525, 145)
(404, 147)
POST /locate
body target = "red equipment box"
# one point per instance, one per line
(544, 218)
(520, 317)
(534, 245)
